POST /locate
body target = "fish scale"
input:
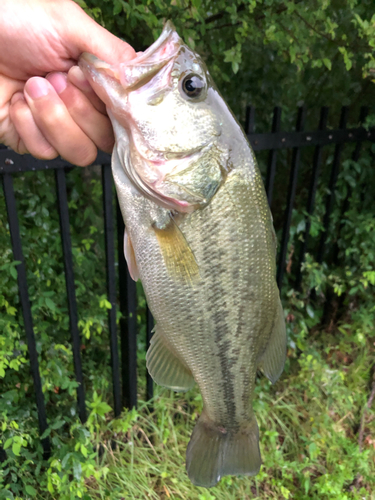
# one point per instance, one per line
(200, 237)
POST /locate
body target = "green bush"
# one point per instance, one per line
(263, 52)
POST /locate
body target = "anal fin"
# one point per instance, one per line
(165, 367)
(273, 359)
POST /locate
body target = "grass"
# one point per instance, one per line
(308, 421)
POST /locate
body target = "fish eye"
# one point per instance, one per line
(193, 86)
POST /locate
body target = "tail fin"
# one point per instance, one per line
(214, 452)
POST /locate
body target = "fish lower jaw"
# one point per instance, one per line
(173, 204)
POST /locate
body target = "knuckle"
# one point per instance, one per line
(44, 153)
(21, 148)
(53, 116)
(19, 111)
(77, 104)
(50, 118)
(106, 144)
(85, 156)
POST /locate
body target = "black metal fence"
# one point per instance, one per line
(124, 374)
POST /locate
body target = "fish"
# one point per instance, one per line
(199, 235)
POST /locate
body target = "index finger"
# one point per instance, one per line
(83, 34)
(77, 78)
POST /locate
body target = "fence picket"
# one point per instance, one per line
(290, 200)
(272, 158)
(311, 197)
(109, 235)
(250, 120)
(70, 288)
(15, 236)
(128, 323)
(331, 186)
(149, 327)
(345, 206)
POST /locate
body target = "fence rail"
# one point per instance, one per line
(125, 384)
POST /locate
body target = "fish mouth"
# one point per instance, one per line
(136, 72)
(90, 62)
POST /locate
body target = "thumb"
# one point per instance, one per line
(86, 35)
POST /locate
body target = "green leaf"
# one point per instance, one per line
(81, 3)
(8, 442)
(313, 450)
(235, 67)
(117, 7)
(77, 470)
(310, 311)
(7, 494)
(301, 226)
(105, 304)
(102, 409)
(58, 424)
(327, 63)
(30, 490)
(46, 433)
(50, 304)
(285, 492)
(16, 448)
(65, 460)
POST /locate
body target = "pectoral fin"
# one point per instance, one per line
(130, 257)
(165, 367)
(273, 358)
(178, 256)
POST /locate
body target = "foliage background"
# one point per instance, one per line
(265, 53)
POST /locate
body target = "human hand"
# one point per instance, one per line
(59, 114)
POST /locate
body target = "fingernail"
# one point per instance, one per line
(18, 96)
(36, 87)
(59, 81)
(76, 74)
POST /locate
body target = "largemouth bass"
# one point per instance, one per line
(199, 235)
